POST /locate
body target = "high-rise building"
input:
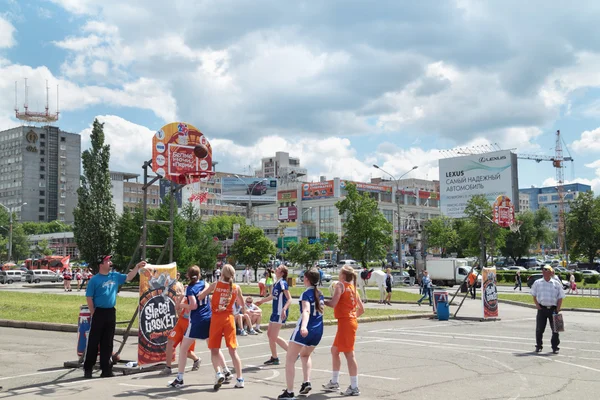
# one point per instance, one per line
(128, 194)
(548, 197)
(40, 166)
(282, 166)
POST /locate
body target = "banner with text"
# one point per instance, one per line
(489, 293)
(157, 315)
(317, 190)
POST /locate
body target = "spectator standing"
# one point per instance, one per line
(548, 296)
(473, 284)
(101, 295)
(411, 276)
(572, 285)
(518, 281)
(426, 285)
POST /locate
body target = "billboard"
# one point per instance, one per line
(490, 174)
(367, 187)
(287, 195)
(261, 190)
(288, 213)
(317, 190)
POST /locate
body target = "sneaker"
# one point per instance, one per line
(286, 395)
(555, 350)
(252, 332)
(331, 386)
(166, 371)
(272, 361)
(238, 331)
(228, 375)
(243, 333)
(87, 374)
(108, 374)
(305, 388)
(239, 383)
(257, 330)
(196, 365)
(219, 379)
(351, 391)
(176, 383)
(538, 349)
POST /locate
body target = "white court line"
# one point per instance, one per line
(577, 365)
(453, 323)
(39, 373)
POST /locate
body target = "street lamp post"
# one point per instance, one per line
(10, 230)
(249, 210)
(399, 252)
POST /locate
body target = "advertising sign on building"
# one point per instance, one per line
(287, 195)
(288, 213)
(491, 175)
(261, 190)
(157, 311)
(489, 293)
(317, 190)
(368, 187)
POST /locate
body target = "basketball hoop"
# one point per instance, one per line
(514, 226)
(193, 179)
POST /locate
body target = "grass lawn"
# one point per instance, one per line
(397, 294)
(64, 309)
(568, 302)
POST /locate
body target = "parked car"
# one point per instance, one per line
(352, 263)
(400, 277)
(562, 270)
(258, 188)
(588, 272)
(527, 262)
(535, 277)
(535, 269)
(517, 268)
(322, 264)
(11, 276)
(42, 275)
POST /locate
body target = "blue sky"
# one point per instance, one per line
(342, 85)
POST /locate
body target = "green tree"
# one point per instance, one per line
(583, 226)
(199, 248)
(304, 253)
(253, 248)
(533, 230)
(479, 233)
(43, 248)
(222, 226)
(440, 233)
(127, 235)
(20, 243)
(329, 240)
(367, 234)
(95, 215)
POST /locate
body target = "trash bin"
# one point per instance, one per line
(443, 311)
(83, 329)
(291, 282)
(439, 296)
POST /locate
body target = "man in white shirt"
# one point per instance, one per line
(548, 295)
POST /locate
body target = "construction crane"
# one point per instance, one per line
(558, 162)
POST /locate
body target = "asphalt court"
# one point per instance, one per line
(413, 359)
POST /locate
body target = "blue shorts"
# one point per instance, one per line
(198, 329)
(276, 318)
(312, 339)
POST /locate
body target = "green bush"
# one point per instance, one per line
(578, 276)
(591, 279)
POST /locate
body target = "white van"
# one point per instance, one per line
(42, 275)
(11, 276)
(349, 262)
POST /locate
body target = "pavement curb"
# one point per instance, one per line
(527, 305)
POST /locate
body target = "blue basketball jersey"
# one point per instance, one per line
(279, 298)
(316, 318)
(203, 311)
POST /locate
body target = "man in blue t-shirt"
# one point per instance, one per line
(101, 295)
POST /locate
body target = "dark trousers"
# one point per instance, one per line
(473, 291)
(517, 285)
(544, 315)
(426, 293)
(102, 333)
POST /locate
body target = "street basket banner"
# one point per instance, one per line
(489, 293)
(157, 313)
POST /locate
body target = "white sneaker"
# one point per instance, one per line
(228, 375)
(252, 332)
(239, 383)
(351, 392)
(196, 365)
(243, 333)
(219, 379)
(331, 386)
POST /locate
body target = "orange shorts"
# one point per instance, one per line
(176, 335)
(222, 326)
(346, 334)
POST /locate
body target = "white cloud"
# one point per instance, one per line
(589, 141)
(7, 31)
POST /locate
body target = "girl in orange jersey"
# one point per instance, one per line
(222, 324)
(347, 307)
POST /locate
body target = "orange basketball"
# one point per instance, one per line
(201, 150)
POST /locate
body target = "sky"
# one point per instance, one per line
(340, 84)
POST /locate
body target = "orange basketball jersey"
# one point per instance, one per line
(346, 306)
(223, 299)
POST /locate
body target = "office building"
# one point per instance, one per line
(128, 194)
(40, 166)
(282, 166)
(548, 197)
(213, 204)
(61, 244)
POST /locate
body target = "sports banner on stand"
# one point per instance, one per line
(489, 293)
(157, 314)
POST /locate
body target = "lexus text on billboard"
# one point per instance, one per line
(491, 174)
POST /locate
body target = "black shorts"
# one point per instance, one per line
(388, 289)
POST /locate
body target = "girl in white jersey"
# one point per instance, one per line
(281, 301)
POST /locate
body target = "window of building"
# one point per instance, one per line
(42, 152)
(42, 193)
(389, 215)
(41, 218)
(42, 144)
(42, 201)
(42, 209)
(42, 168)
(42, 176)
(42, 160)
(42, 136)
(62, 139)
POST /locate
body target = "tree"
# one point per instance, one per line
(222, 225)
(440, 233)
(199, 248)
(252, 247)
(480, 231)
(95, 215)
(127, 236)
(367, 233)
(304, 253)
(43, 248)
(20, 243)
(533, 230)
(583, 226)
(329, 240)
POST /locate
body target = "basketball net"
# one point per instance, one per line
(191, 180)
(515, 226)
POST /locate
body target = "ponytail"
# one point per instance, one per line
(313, 277)
(193, 274)
(318, 304)
(228, 274)
(355, 289)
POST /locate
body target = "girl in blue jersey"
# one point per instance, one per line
(281, 301)
(306, 335)
(199, 326)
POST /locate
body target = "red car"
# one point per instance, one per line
(257, 188)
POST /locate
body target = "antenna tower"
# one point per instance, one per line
(33, 116)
